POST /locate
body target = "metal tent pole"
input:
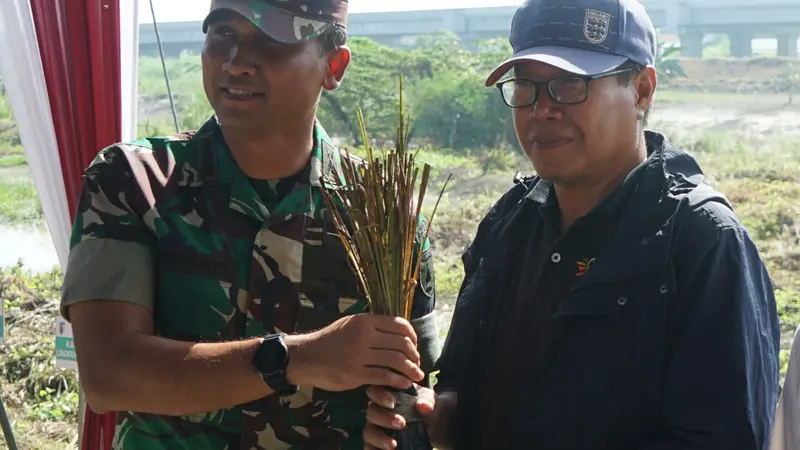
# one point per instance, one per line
(164, 67)
(8, 432)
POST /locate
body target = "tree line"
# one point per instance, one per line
(449, 105)
(444, 91)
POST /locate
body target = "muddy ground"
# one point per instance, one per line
(752, 114)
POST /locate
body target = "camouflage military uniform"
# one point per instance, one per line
(174, 225)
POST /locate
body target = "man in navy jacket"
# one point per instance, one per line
(614, 301)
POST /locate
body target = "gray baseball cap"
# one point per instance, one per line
(584, 37)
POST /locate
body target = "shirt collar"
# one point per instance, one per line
(217, 164)
(218, 167)
(543, 192)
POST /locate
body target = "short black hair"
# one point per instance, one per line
(332, 39)
(626, 78)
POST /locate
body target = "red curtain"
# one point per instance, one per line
(79, 46)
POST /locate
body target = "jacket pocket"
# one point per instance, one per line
(610, 358)
(623, 320)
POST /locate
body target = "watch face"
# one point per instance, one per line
(270, 356)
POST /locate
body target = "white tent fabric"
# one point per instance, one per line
(24, 81)
(23, 78)
(26, 89)
(129, 66)
(786, 427)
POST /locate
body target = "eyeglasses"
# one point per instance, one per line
(567, 90)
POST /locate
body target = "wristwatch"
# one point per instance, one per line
(270, 361)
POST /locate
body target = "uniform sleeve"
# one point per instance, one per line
(721, 385)
(111, 249)
(423, 314)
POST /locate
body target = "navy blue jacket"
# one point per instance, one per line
(672, 336)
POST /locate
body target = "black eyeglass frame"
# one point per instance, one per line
(537, 84)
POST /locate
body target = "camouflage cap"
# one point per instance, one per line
(286, 21)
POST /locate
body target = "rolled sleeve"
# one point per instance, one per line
(108, 269)
(112, 249)
(425, 293)
(428, 341)
(423, 310)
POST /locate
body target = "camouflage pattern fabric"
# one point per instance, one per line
(228, 267)
(286, 21)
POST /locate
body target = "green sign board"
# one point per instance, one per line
(65, 345)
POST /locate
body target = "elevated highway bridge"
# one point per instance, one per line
(690, 20)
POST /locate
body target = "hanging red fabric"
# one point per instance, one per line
(79, 47)
(80, 51)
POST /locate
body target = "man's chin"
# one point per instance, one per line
(555, 175)
(557, 170)
(239, 121)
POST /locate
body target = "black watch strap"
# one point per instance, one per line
(271, 360)
(279, 384)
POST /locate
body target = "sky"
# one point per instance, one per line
(188, 10)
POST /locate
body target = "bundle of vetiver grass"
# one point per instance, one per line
(377, 213)
(382, 212)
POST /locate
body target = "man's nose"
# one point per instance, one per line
(239, 63)
(545, 107)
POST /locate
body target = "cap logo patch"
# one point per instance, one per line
(595, 26)
(304, 27)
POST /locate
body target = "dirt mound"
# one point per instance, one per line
(740, 75)
(740, 68)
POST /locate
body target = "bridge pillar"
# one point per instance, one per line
(741, 44)
(692, 43)
(787, 45)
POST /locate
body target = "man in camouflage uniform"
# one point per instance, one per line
(190, 254)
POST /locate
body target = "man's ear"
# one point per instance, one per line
(338, 60)
(645, 84)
